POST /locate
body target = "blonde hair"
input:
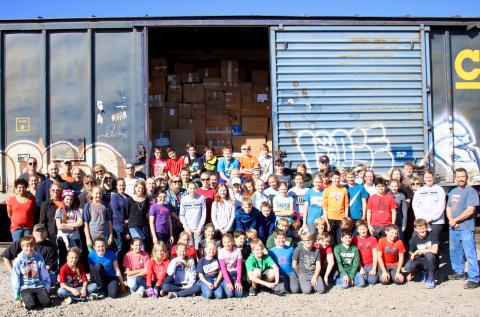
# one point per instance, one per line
(160, 245)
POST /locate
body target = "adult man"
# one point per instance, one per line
(32, 170)
(77, 184)
(43, 191)
(324, 164)
(462, 201)
(67, 171)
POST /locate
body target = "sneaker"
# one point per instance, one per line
(456, 276)
(252, 292)
(278, 290)
(423, 277)
(430, 284)
(171, 295)
(68, 301)
(101, 295)
(163, 293)
(93, 296)
(470, 285)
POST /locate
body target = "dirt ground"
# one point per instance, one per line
(413, 299)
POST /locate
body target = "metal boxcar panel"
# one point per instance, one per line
(355, 94)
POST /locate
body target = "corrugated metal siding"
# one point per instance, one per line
(352, 93)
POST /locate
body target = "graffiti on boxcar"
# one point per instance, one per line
(347, 148)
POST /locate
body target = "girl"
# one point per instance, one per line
(298, 194)
(181, 278)
(157, 164)
(193, 212)
(370, 182)
(272, 189)
(259, 197)
(209, 273)
(137, 210)
(96, 218)
(401, 219)
(249, 188)
(223, 210)
(209, 234)
(230, 259)
(157, 269)
(161, 220)
(134, 263)
(21, 210)
(69, 220)
(73, 280)
(282, 203)
(326, 256)
(403, 186)
(320, 226)
(313, 204)
(184, 238)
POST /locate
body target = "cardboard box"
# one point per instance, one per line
(262, 93)
(196, 124)
(218, 132)
(198, 110)
(163, 118)
(217, 121)
(233, 99)
(161, 138)
(181, 136)
(260, 78)
(190, 78)
(256, 109)
(193, 93)
(236, 117)
(213, 112)
(214, 82)
(254, 125)
(158, 86)
(246, 90)
(174, 93)
(156, 101)
(214, 96)
(180, 68)
(184, 110)
(158, 67)
(209, 72)
(255, 142)
(229, 71)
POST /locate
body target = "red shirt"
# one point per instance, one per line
(381, 209)
(135, 261)
(209, 195)
(73, 278)
(22, 214)
(156, 272)
(323, 251)
(390, 251)
(174, 166)
(366, 247)
(191, 252)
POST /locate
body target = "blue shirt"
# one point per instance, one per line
(355, 195)
(315, 205)
(283, 258)
(106, 261)
(226, 167)
(459, 199)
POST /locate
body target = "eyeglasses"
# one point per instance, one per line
(176, 181)
(417, 184)
(32, 163)
(204, 179)
(246, 149)
(89, 183)
(107, 178)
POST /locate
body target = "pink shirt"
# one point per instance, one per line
(230, 258)
(135, 261)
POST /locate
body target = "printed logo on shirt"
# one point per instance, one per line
(317, 200)
(211, 268)
(387, 250)
(347, 257)
(424, 246)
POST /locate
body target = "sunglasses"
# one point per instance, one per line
(55, 190)
(205, 179)
(32, 163)
(176, 181)
(100, 171)
(416, 184)
(90, 182)
(107, 178)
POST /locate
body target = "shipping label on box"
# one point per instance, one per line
(190, 78)
(262, 93)
(198, 110)
(209, 72)
(193, 93)
(174, 93)
(158, 86)
(181, 136)
(229, 71)
(260, 78)
(233, 99)
(158, 67)
(184, 110)
(254, 125)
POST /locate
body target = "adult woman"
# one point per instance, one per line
(99, 172)
(21, 210)
(151, 189)
(88, 183)
(174, 195)
(415, 185)
(429, 204)
(49, 208)
(119, 219)
(137, 210)
(223, 210)
(32, 184)
(404, 186)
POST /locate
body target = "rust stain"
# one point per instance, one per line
(288, 125)
(295, 84)
(304, 92)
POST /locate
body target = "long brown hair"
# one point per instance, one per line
(219, 199)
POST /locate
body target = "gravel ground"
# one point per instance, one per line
(448, 298)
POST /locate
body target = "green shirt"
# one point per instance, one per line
(265, 263)
(348, 259)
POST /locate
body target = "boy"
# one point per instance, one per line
(30, 279)
(226, 163)
(247, 162)
(258, 196)
(282, 255)
(298, 194)
(307, 178)
(401, 210)
(265, 221)
(357, 197)
(209, 160)
(335, 205)
(265, 161)
(208, 193)
(348, 261)
(262, 271)
(306, 262)
(193, 212)
(295, 227)
(240, 238)
(246, 216)
(381, 210)
(174, 163)
(423, 248)
(326, 256)
(282, 224)
(280, 172)
(390, 256)
(367, 247)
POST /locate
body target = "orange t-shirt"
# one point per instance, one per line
(68, 179)
(335, 200)
(248, 163)
(22, 214)
(390, 251)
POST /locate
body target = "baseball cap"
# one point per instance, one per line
(323, 159)
(236, 180)
(39, 226)
(128, 165)
(67, 193)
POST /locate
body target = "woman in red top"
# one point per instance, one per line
(21, 211)
(157, 269)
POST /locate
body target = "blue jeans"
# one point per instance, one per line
(62, 292)
(139, 232)
(209, 293)
(137, 284)
(235, 292)
(21, 232)
(169, 286)
(118, 232)
(462, 246)
(357, 281)
(368, 278)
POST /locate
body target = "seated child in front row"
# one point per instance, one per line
(135, 262)
(348, 261)
(209, 272)
(230, 258)
(282, 224)
(181, 279)
(282, 255)
(423, 249)
(262, 271)
(390, 256)
(73, 280)
(30, 279)
(326, 256)
(367, 247)
(157, 270)
(184, 238)
(306, 262)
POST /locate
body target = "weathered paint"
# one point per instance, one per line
(356, 94)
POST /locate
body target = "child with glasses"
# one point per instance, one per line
(247, 162)
(208, 193)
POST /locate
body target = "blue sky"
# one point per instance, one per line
(11, 9)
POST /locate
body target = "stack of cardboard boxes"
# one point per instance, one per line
(208, 106)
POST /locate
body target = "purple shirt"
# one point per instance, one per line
(162, 214)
